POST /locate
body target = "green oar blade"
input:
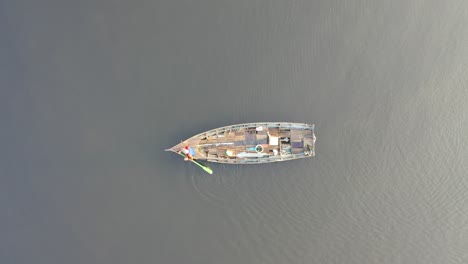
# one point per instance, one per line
(205, 168)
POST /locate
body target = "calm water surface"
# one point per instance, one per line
(94, 91)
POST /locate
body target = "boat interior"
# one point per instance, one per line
(256, 142)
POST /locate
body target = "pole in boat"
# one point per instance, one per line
(205, 168)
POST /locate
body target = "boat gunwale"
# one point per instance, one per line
(244, 125)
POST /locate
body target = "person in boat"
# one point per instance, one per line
(188, 152)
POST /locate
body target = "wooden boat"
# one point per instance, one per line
(252, 143)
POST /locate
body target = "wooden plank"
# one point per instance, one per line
(297, 150)
(296, 135)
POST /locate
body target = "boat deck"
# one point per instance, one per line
(253, 143)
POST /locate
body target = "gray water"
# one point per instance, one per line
(92, 92)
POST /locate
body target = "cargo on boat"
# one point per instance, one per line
(252, 143)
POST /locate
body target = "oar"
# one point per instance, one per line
(205, 168)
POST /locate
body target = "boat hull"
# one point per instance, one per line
(253, 143)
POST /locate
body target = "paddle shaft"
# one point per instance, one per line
(205, 168)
